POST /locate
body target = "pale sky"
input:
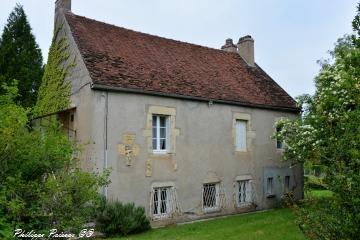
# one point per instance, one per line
(290, 35)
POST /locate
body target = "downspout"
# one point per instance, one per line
(105, 190)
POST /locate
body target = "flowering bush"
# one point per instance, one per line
(328, 133)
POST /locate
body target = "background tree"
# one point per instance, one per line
(328, 133)
(20, 57)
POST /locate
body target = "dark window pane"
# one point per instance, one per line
(209, 195)
(163, 201)
(162, 122)
(162, 132)
(154, 144)
(154, 121)
(156, 202)
(162, 144)
(154, 133)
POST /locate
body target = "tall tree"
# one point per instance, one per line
(328, 133)
(20, 57)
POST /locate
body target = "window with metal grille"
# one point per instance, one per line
(211, 196)
(270, 186)
(241, 135)
(244, 192)
(161, 201)
(287, 183)
(160, 132)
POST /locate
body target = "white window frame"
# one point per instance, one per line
(216, 206)
(240, 186)
(278, 142)
(158, 138)
(157, 205)
(270, 186)
(241, 135)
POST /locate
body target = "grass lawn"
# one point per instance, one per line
(318, 194)
(274, 224)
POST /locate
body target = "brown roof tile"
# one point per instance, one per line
(126, 59)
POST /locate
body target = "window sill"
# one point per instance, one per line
(212, 210)
(244, 205)
(159, 152)
(160, 217)
(241, 151)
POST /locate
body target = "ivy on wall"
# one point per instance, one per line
(54, 92)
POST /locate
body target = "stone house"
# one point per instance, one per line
(185, 129)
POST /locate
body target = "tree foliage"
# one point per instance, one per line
(41, 185)
(54, 91)
(328, 133)
(20, 57)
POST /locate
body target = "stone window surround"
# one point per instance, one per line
(250, 133)
(173, 132)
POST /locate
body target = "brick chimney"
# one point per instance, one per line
(246, 49)
(63, 5)
(229, 46)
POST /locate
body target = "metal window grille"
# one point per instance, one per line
(164, 202)
(245, 194)
(211, 196)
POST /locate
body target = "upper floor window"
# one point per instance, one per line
(160, 133)
(279, 144)
(241, 135)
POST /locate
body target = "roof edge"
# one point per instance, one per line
(179, 96)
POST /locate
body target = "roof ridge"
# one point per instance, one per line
(150, 35)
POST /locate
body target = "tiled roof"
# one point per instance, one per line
(120, 58)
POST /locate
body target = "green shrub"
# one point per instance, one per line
(312, 182)
(117, 218)
(5, 229)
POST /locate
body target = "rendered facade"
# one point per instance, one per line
(185, 129)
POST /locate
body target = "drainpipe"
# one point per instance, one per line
(105, 189)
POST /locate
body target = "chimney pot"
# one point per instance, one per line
(229, 46)
(246, 49)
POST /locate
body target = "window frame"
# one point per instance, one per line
(270, 186)
(158, 138)
(157, 191)
(248, 190)
(216, 206)
(244, 138)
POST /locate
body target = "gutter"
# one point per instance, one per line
(171, 95)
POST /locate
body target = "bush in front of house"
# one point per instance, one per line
(116, 218)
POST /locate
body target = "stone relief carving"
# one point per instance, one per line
(128, 148)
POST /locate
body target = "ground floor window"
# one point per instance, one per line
(211, 196)
(161, 201)
(244, 193)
